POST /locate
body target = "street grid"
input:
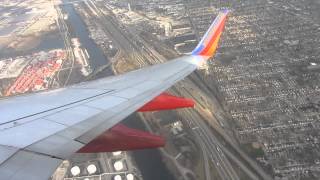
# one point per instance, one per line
(265, 75)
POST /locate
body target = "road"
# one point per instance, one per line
(211, 146)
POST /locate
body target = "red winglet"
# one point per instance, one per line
(209, 43)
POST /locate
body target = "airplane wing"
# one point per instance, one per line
(38, 131)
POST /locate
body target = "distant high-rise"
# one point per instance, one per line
(129, 7)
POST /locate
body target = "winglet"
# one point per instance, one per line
(209, 42)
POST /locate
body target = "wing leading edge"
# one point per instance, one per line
(40, 130)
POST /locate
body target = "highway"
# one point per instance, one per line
(211, 146)
(197, 89)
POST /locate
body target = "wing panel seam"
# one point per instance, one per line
(65, 105)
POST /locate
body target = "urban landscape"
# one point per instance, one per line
(257, 112)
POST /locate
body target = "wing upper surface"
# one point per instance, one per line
(42, 129)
